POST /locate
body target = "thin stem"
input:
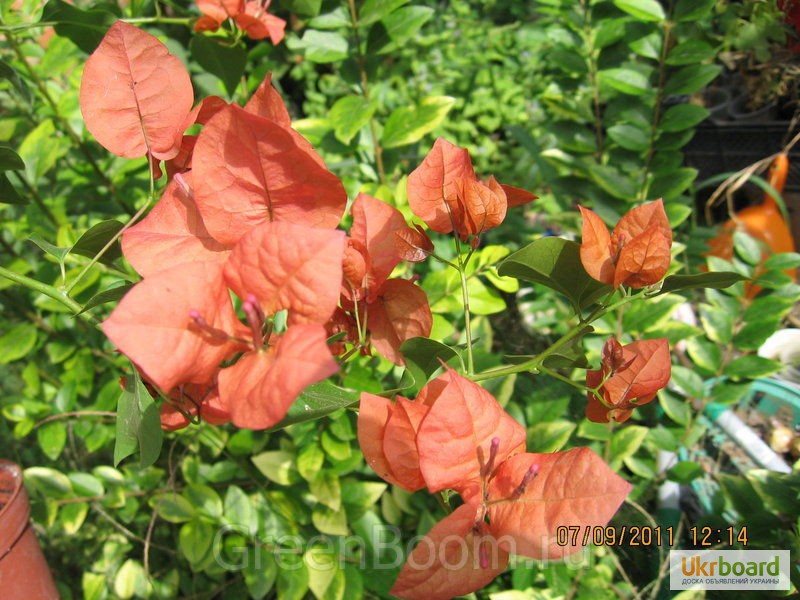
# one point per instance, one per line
(37, 199)
(42, 288)
(591, 65)
(467, 319)
(656, 109)
(560, 377)
(362, 68)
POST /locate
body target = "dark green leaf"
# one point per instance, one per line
(629, 136)
(305, 8)
(93, 240)
(717, 280)
(556, 263)
(226, 62)
(752, 367)
(408, 124)
(58, 253)
(685, 472)
(612, 181)
(10, 160)
(110, 295)
(646, 10)
(138, 423)
(671, 184)
(375, 10)
(747, 247)
(692, 78)
(7, 72)
(692, 10)
(85, 28)
(690, 52)
(17, 342)
(423, 357)
(626, 80)
(8, 193)
(349, 115)
(783, 260)
(52, 437)
(682, 116)
(317, 401)
(397, 28)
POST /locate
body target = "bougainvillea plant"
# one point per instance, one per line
(265, 295)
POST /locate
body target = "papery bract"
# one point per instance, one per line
(387, 435)
(263, 384)
(448, 561)
(217, 12)
(249, 170)
(259, 24)
(479, 206)
(432, 185)
(288, 266)
(135, 95)
(374, 224)
(412, 244)
(399, 312)
(643, 369)
(463, 420)
(151, 325)
(172, 233)
(517, 196)
(573, 488)
(636, 253)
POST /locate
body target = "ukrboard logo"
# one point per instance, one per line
(729, 569)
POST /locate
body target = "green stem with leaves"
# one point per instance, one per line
(43, 288)
(362, 68)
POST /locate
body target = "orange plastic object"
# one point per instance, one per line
(763, 221)
(24, 574)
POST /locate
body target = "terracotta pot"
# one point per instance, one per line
(23, 569)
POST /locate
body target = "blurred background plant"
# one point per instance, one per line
(590, 101)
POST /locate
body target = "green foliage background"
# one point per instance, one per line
(573, 100)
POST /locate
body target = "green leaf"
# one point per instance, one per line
(260, 577)
(625, 443)
(310, 459)
(690, 383)
(349, 115)
(550, 436)
(706, 355)
(41, 149)
(692, 10)
(612, 181)
(239, 510)
(717, 280)
(17, 342)
(782, 261)
(646, 10)
(690, 79)
(324, 46)
(555, 263)
(194, 541)
(326, 579)
(93, 240)
(9, 73)
(682, 116)
(317, 401)
(718, 324)
(173, 507)
(648, 46)
(747, 247)
(625, 80)
(629, 136)
(138, 423)
(85, 28)
(85, 484)
(10, 160)
(685, 472)
(52, 437)
(277, 466)
(49, 483)
(375, 10)
(131, 580)
(8, 193)
(326, 489)
(752, 367)
(673, 183)
(397, 28)
(359, 496)
(676, 408)
(780, 492)
(305, 8)
(226, 62)
(423, 357)
(110, 295)
(292, 578)
(408, 124)
(329, 521)
(690, 52)
(94, 586)
(205, 499)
